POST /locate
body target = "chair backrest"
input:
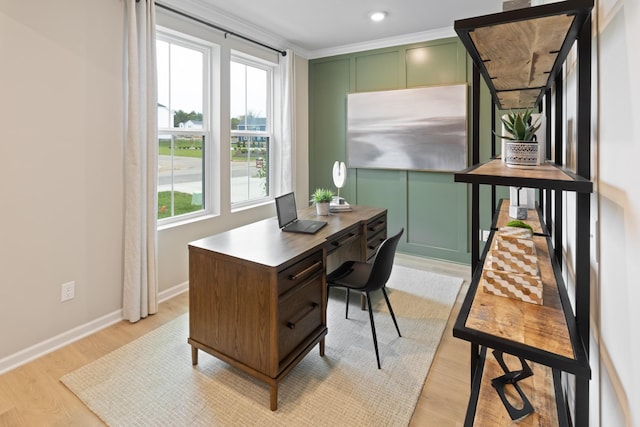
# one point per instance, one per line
(383, 262)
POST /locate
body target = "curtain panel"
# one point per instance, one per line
(140, 282)
(287, 150)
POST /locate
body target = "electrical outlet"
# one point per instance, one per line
(67, 291)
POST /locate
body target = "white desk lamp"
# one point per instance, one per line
(339, 177)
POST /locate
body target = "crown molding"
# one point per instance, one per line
(423, 36)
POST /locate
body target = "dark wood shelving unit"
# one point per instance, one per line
(520, 53)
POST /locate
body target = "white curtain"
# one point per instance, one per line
(288, 160)
(140, 291)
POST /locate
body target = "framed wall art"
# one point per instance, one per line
(414, 129)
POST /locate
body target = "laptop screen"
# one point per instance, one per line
(286, 209)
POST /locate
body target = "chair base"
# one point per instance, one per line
(373, 325)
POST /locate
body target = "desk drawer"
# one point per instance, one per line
(376, 233)
(374, 242)
(300, 272)
(376, 225)
(345, 239)
(300, 313)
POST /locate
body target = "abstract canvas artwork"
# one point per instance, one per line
(413, 129)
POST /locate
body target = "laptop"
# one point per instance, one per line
(288, 217)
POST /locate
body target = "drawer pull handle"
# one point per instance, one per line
(291, 324)
(374, 246)
(339, 243)
(307, 271)
(377, 226)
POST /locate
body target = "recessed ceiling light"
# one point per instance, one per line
(378, 16)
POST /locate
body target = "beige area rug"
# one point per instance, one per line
(151, 382)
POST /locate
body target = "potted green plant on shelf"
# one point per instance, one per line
(322, 197)
(521, 148)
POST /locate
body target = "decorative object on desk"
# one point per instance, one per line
(322, 197)
(339, 176)
(338, 204)
(521, 148)
(151, 381)
(340, 207)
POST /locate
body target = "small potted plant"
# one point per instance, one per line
(322, 197)
(521, 146)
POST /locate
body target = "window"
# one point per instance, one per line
(251, 130)
(183, 130)
(218, 145)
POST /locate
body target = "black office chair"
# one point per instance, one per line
(368, 277)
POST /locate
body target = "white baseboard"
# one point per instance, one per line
(172, 292)
(38, 350)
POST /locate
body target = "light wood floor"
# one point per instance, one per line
(32, 395)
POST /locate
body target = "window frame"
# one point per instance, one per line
(210, 52)
(271, 70)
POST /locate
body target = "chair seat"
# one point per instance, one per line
(351, 274)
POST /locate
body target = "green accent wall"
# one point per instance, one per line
(432, 208)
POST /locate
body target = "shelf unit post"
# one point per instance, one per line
(475, 159)
(559, 145)
(493, 153)
(583, 213)
(546, 208)
(475, 197)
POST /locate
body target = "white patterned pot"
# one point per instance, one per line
(521, 153)
(322, 208)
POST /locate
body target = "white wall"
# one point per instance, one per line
(61, 178)
(617, 295)
(61, 173)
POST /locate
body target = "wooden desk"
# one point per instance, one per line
(258, 297)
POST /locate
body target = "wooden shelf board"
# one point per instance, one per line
(539, 326)
(520, 51)
(539, 389)
(546, 175)
(521, 66)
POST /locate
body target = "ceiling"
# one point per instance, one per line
(320, 28)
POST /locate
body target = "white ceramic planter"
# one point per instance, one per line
(521, 154)
(322, 208)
